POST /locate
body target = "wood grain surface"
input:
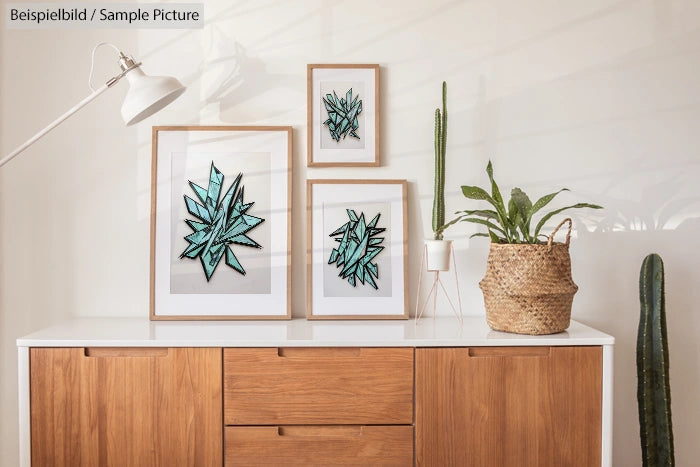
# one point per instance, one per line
(514, 406)
(360, 386)
(138, 407)
(320, 445)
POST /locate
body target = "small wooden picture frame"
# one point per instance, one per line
(357, 247)
(343, 115)
(221, 222)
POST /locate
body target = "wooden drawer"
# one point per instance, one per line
(319, 445)
(297, 386)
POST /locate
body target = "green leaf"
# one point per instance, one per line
(487, 213)
(488, 224)
(557, 211)
(497, 198)
(495, 192)
(496, 239)
(479, 234)
(523, 205)
(474, 192)
(512, 211)
(522, 202)
(442, 228)
(519, 233)
(511, 228)
(542, 202)
(520, 223)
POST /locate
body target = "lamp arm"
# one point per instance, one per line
(145, 104)
(59, 120)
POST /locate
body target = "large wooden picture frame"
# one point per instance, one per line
(343, 115)
(356, 253)
(221, 222)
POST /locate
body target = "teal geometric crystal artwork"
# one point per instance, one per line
(219, 224)
(342, 115)
(358, 246)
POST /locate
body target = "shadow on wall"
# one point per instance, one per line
(230, 77)
(665, 220)
(661, 206)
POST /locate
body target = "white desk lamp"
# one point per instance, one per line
(146, 96)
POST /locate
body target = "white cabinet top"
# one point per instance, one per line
(428, 332)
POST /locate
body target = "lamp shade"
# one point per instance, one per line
(148, 94)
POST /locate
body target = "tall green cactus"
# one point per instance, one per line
(440, 146)
(653, 389)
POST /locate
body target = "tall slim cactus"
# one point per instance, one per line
(440, 146)
(653, 389)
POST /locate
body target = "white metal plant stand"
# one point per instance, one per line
(437, 286)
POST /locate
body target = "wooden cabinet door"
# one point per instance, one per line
(508, 406)
(126, 406)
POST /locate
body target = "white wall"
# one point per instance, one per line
(601, 96)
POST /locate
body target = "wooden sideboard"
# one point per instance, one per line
(131, 392)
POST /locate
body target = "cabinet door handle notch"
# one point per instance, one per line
(126, 352)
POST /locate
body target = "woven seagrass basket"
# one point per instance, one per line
(528, 288)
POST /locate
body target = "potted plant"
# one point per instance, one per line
(528, 287)
(438, 249)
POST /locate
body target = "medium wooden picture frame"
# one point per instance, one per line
(343, 115)
(356, 249)
(221, 222)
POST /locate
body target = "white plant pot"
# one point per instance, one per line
(438, 254)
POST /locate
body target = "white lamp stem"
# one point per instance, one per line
(57, 122)
(148, 94)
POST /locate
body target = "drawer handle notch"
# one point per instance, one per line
(316, 352)
(508, 352)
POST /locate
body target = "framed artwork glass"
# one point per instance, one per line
(220, 222)
(343, 115)
(356, 254)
